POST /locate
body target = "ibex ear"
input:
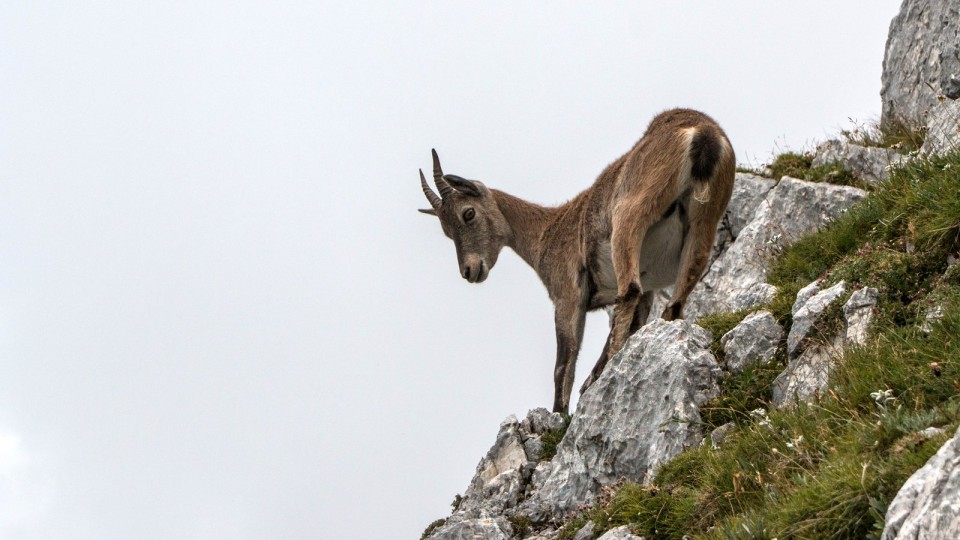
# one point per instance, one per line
(467, 187)
(430, 211)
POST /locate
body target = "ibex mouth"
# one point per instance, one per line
(478, 275)
(482, 273)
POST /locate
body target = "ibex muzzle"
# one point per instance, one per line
(647, 223)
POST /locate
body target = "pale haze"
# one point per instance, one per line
(221, 316)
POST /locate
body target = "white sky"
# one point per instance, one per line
(221, 316)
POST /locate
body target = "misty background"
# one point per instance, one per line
(221, 316)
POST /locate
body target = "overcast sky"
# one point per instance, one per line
(221, 316)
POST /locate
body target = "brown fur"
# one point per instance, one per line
(648, 189)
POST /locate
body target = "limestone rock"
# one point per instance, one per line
(753, 341)
(642, 411)
(620, 533)
(943, 128)
(504, 474)
(803, 295)
(792, 209)
(586, 532)
(474, 529)
(926, 505)
(749, 190)
(930, 432)
(806, 375)
(808, 370)
(869, 164)
(498, 483)
(858, 312)
(922, 60)
(807, 314)
(718, 435)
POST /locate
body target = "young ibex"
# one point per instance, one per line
(647, 223)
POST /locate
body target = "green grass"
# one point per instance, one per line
(892, 135)
(432, 527)
(790, 164)
(741, 393)
(796, 165)
(551, 439)
(828, 469)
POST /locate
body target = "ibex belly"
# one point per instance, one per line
(659, 260)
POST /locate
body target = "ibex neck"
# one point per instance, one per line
(527, 223)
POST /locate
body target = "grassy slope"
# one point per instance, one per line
(830, 468)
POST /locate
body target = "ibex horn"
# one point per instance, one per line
(435, 201)
(442, 186)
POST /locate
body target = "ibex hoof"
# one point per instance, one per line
(673, 312)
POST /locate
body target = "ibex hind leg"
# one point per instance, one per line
(697, 245)
(631, 221)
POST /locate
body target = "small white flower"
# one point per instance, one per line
(882, 398)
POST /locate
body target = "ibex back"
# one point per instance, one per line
(647, 223)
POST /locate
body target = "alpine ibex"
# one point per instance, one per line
(647, 223)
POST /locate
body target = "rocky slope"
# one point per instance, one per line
(647, 407)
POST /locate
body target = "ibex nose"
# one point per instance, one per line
(472, 268)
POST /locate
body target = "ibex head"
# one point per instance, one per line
(470, 217)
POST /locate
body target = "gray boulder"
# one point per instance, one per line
(504, 474)
(926, 506)
(642, 411)
(858, 313)
(943, 128)
(808, 370)
(720, 434)
(806, 375)
(922, 60)
(869, 164)
(586, 532)
(620, 533)
(749, 190)
(753, 341)
(806, 314)
(486, 528)
(498, 483)
(791, 210)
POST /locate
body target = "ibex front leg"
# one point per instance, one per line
(569, 317)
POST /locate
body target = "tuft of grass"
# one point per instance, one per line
(551, 438)
(432, 527)
(741, 393)
(570, 528)
(790, 164)
(834, 173)
(522, 526)
(894, 135)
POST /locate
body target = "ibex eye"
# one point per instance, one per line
(468, 214)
